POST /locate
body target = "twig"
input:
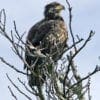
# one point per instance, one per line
(89, 96)
(91, 34)
(86, 77)
(86, 41)
(70, 24)
(16, 28)
(18, 37)
(70, 58)
(35, 92)
(13, 95)
(11, 66)
(3, 20)
(70, 47)
(18, 88)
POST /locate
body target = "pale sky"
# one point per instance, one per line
(86, 16)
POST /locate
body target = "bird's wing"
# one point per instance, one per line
(49, 33)
(46, 28)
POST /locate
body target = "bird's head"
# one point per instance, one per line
(53, 10)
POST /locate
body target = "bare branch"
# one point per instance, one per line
(2, 19)
(13, 95)
(18, 88)
(70, 24)
(86, 77)
(11, 66)
(89, 96)
(70, 58)
(70, 47)
(32, 92)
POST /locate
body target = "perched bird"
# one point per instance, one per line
(49, 36)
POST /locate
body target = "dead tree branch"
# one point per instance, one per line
(65, 84)
(70, 23)
(11, 66)
(32, 92)
(18, 88)
(13, 95)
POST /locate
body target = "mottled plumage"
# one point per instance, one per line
(49, 35)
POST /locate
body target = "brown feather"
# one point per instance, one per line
(50, 35)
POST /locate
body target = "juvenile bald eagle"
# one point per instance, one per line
(49, 35)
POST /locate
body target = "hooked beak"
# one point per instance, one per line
(60, 7)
